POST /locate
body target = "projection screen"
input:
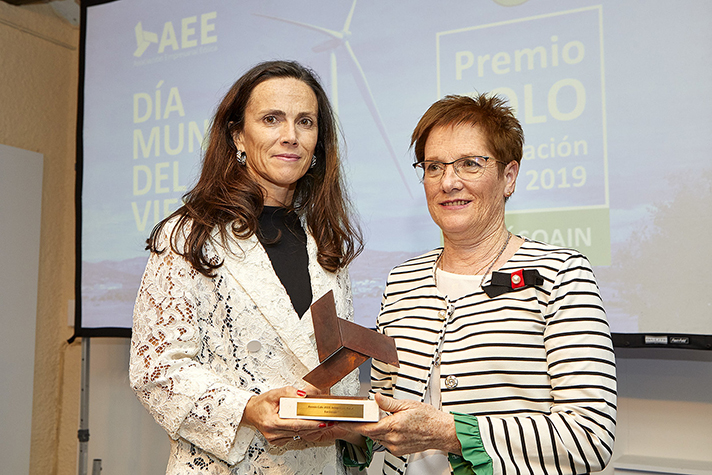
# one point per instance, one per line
(613, 95)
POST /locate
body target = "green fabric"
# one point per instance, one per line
(350, 454)
(474, 459)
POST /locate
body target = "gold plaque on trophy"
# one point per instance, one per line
(329, 408)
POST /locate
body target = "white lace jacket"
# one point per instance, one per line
(192, 368)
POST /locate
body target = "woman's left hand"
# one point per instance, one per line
(411, 427)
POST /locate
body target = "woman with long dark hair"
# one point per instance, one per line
(222, 326)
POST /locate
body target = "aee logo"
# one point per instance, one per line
(192, 32)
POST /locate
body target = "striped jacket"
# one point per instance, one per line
(535, 365)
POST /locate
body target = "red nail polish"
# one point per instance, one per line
(301, 393)
(322, 425)
(331, 423)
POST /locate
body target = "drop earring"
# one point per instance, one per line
(313, 162)
(241, 157)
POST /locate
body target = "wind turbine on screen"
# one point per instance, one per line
(341, 39)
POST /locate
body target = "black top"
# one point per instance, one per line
(285, 241)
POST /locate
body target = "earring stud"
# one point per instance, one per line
(241, 157)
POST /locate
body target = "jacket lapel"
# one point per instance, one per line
(246, 261)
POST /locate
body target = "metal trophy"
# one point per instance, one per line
(342, 347)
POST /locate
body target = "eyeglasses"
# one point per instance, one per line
(467, 168)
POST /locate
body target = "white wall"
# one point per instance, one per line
(665, 411)
(664, 418)
(121, 432)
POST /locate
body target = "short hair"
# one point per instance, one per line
(226, 194)
(495, 119)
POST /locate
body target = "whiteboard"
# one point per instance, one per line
(20, 219)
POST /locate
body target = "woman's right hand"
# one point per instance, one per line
(262, 413)
(409, 427)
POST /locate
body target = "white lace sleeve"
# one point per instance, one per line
(187, 398)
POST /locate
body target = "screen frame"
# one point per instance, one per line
(79, 330)
(620, 340)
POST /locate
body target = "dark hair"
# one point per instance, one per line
(502, 131)
(225, 194)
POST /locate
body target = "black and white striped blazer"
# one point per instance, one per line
(535, 365)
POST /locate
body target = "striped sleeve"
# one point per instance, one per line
(576, 433)
(382, 373)
(411, 277)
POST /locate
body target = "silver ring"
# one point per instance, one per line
(296, 437)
